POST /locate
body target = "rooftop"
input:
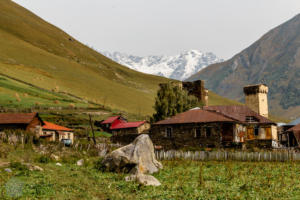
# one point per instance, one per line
(110, 120)
(196, 116)
(51, 126)
(127, 125)
(238, 113)
(17, 118)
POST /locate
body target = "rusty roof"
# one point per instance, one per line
(17, 118)
(239, 113)
(196, 116)
(295, 128)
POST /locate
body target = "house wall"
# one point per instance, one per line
(125, 131)
(184, 135)
(240, 133)
(48, 132)
(35, 126)
(274, 131)
(66, 135)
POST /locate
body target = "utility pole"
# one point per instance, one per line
(91, 124)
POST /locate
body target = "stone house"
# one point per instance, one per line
(56, 133)
(221, 125)
(213, 127)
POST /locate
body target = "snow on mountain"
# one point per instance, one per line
(178, 67)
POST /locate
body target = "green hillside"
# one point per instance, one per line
(41, 64)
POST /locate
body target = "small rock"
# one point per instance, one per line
(80, 162)
(54, 157)
(8, 170)
(36, 168)
(58, 164)
(146, 180)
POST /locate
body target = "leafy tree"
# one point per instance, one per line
(170, 100)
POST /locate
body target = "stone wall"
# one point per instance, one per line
(186, 136)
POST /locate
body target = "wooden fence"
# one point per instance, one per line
(230, 156)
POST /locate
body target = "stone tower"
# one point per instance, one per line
(256, 97)
(195, 88)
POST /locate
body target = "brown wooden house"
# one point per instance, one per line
(214, 126)
(21, 121)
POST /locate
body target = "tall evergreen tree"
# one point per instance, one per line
(170, 100)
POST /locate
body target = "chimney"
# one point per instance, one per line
(256, 98)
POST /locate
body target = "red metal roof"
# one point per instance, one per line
(127, 125)
(196, 116)
(110, 120)
(51, 126)
(17, 118)
(238, 112)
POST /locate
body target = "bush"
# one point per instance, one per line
(44, 159)
(18, 166)
(98, 165)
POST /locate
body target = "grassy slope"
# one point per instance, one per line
(40, 54)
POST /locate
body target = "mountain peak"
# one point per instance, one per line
(178, 67)
(273, 59)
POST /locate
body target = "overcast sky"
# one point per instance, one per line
(154, 27)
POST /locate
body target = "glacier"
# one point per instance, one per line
(179, 67)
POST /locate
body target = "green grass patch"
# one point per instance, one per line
(180, 180)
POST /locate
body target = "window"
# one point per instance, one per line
(256, 131)
(251, 119)
(208, 131)
(198, 133)
(169, 132)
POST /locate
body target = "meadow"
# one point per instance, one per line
(180, 179)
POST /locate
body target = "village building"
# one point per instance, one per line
(124, 132)
(289, 135)
(214, 126)
(55, 133)
(30, 122)
(219, 126)
(109, 122)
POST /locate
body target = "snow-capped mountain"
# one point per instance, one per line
(178, 67)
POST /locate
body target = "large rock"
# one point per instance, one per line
(136, 158)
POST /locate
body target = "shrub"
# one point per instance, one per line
(98, 165)
(18, 166)
(44, 159)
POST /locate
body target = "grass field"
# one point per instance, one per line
(180, 180)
